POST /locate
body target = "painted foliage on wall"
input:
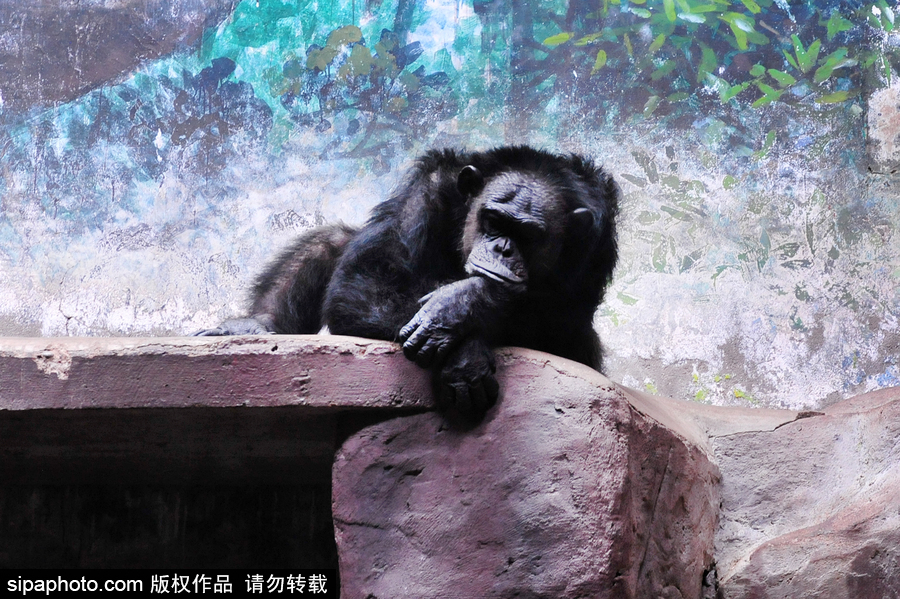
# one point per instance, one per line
(759, 254)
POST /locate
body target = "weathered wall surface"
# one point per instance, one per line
(759, 232)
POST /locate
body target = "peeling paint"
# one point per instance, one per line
(54, 360)
(884, 124)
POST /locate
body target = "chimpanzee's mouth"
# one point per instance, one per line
(496, 271)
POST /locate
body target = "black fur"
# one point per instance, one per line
(403, 275)
(291, 290)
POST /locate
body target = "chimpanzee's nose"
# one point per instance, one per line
(503, 247)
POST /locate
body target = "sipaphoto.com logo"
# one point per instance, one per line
(23, 586)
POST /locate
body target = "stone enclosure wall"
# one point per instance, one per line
(223, 453)
(155, 154)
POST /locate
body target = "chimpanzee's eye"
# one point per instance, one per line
(490, 223)
(533, 232)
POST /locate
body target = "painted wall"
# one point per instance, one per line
(759, 231)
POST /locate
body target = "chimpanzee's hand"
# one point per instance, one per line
(466, 381)
(235, 326)
(442, 322)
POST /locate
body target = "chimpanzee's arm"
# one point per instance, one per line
(474, 306)
(373, 291)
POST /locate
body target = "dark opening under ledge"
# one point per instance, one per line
(100, 410)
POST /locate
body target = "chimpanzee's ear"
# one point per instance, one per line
(582, 218)
(470, 181)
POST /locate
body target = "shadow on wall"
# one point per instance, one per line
(54, 53)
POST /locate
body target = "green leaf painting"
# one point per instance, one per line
(693, 46)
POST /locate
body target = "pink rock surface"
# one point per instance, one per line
(564, 490)
(812, 508)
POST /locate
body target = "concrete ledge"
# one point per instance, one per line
(184, 410)
(322, 372)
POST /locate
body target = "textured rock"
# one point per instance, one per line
(812, 508)
(564, 490)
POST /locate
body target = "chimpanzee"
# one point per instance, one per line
(512, 246)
